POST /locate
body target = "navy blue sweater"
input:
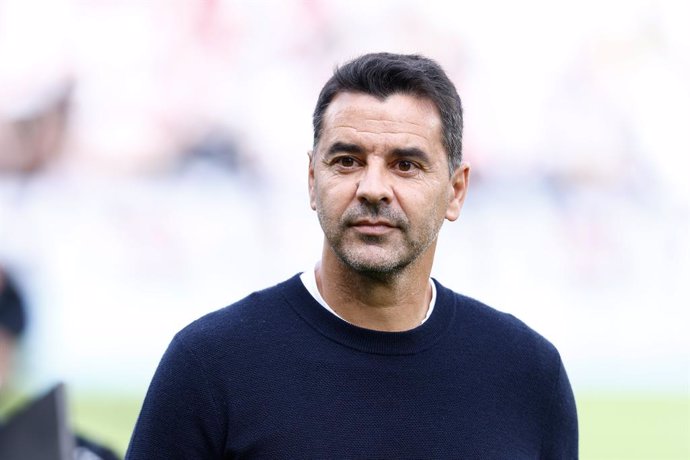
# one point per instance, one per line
(277, 376)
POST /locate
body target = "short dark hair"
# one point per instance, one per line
(384, 74)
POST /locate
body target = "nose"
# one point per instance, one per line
(374, 185)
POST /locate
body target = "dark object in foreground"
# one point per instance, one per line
(40, 431)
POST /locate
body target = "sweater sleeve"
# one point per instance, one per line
(179, 418)
(560, 440)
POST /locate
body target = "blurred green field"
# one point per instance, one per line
(627, 427)
(612, 426)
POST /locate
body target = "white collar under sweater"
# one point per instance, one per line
(309, 280)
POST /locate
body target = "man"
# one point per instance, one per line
(366, 356)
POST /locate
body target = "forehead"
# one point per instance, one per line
(397, 118)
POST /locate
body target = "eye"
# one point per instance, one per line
(406, 166)
(345, 162)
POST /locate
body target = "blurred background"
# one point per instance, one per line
(153, 166)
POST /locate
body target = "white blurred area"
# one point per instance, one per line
(153, 165)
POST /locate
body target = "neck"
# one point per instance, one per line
(393, 303)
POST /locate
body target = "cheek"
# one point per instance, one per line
(426, 203)
(333, 197)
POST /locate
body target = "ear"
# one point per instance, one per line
(312, 195)
(459, 182)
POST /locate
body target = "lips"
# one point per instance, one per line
(373, 227)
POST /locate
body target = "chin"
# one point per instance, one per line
(377, 266)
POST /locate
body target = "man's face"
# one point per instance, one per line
(379, 181)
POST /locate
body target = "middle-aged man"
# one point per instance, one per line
(366, 356)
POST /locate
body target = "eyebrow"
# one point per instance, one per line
(340, 147)
(408, 152)
(411, 152)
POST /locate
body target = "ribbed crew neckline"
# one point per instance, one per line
(367, 340)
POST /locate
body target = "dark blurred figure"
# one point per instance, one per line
(13, 322)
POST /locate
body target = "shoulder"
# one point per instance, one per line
(258, 314)
(501, 335)
(512, 359)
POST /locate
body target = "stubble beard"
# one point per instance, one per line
(397, 250)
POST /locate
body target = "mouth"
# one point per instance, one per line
(373, 227)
